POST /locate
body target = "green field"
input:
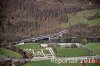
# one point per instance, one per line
(92, 64)
(9, 53)
(94, 22)
(78, 18)
(46, 51)
(29, 46)
(35, 46)
(48, 63)
(71, 52)
(95, 47)
(61, 51)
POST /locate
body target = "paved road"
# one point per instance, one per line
(46, 58)
(46, 36)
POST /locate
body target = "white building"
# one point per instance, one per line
(68, 44)
(21, 43)
(44, 45)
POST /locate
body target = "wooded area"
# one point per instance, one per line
(20, 19)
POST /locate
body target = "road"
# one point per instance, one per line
(46, 36)
(97, 57)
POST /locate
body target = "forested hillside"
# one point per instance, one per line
(21, 19)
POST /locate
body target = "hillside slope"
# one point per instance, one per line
(21, 19)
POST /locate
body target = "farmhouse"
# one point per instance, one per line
(68, 45)
(44, 45)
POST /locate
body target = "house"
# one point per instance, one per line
(44, 45)
(21, 43)
(68, 45)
